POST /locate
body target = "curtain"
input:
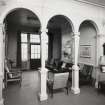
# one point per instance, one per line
(19, 49)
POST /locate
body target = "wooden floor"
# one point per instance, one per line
(27, 94)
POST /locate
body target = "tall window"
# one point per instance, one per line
(24, 47)
(35, 51)
(34, 38)
(35, 46)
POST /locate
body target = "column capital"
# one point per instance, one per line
(44, 34)
(100, 35)
(75, 67)
(44, 30)
(76, 33)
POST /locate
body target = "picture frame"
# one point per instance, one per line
(67, 50)
(85, 51)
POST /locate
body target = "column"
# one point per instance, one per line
(1, 63)
(100, 41)
(75, 69)
(43, 72)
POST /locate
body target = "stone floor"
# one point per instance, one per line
(27, 94)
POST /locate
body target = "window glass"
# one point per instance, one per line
(24, 50)
(34, 38)
(35, 51)
(32, 56)
(23, 37)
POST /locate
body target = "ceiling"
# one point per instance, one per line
(101, 2)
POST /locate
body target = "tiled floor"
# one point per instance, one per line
(27, 94)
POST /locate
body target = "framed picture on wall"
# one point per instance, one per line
(67, 50)
(85, 51)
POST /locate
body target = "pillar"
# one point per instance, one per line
(43, 71)
(1, 63)
(75, 69)
(100, 41)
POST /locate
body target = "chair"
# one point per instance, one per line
(101, 81)
(57, 81)
(85, 75)
(12, 74)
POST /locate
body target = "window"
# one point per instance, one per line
(34, 38)
(35, 51)
(24, 51)
(24, 38)
(24, 47)
(35, 46)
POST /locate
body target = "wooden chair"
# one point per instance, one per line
(57, 81)
(12, 74)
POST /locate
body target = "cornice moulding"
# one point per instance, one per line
(91, 3)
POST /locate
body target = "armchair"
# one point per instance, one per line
(12, 74)
(57, 81)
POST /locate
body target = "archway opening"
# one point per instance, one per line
(22, 40)
(88, 44)
(60, 30)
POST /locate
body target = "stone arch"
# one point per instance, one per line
(60, 30)
(12, 8)
(31, 16)
(88, 37)
(65, 17)
(92, 22)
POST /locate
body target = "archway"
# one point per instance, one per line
(60, 30)
(88, 44)
(22, 38)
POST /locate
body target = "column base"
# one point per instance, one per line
(43, 97)
(75, 90)
(96, 84)
(1, 102)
